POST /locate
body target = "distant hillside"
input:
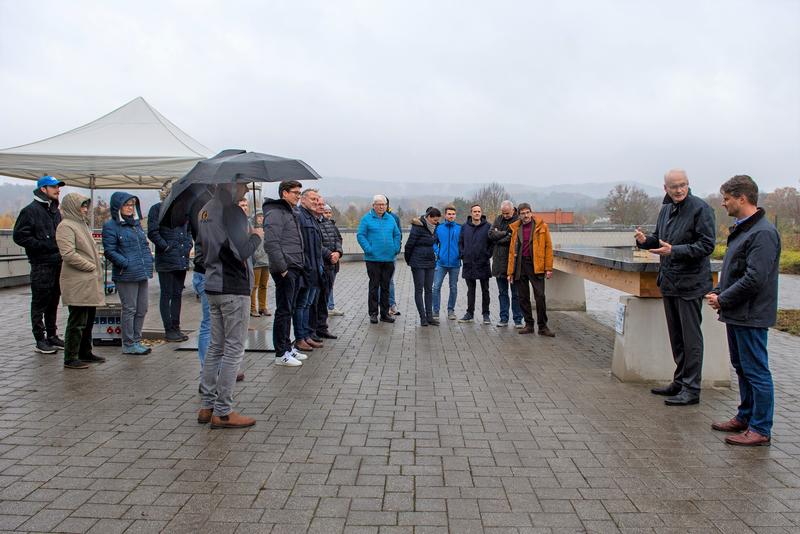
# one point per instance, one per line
(14, 197)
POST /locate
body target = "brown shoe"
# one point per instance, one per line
(315, 344)
(544, 331)
(204, 415)
(303, 346)
(232, 420)
(526, 330)
(734, 425)
(748, 438)
(239, 377)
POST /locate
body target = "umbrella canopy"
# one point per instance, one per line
(229, 166)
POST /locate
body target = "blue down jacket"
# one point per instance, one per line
(125, 244)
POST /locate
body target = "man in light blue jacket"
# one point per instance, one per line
(379, 237)
(448, 262)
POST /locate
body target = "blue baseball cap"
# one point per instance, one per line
(48, 180)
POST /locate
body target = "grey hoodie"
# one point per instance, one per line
(227, 244)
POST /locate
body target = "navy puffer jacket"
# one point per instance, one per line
(476, 250)
(172, 244)
(419, 252)
(125, 243)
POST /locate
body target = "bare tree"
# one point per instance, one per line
(490, 197)
(783, 205)
(626, 204)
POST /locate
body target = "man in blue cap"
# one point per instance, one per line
(35, 231)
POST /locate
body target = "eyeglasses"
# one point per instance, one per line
(678, 187)
(294, 192)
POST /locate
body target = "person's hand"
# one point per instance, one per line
(335, 257)
(548, 274)
(713, 300)
(258, 231)
(639, 236)
(664, 250)
(510, 277)
(284, 273)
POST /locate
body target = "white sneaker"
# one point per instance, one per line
(519, 326)
(335, 312)
(288, 360)
(297, 355)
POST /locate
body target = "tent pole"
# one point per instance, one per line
(91, 202)
(255, 203)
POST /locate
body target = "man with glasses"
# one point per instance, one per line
(379, 237)
(684, 239)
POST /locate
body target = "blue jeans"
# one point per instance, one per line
(204, 333)
(438, 278)
(516, 311)
(748, 349)
(305, 298)
(332, 275)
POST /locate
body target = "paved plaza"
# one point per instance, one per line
(391, 429)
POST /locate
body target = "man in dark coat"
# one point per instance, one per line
(332, 241)
(684, 238)
(500, 236)
(35, 231)
(331, 238)
(747, 302)
(283, 242)
(476, 251)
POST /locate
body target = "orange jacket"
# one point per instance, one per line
(541, 245)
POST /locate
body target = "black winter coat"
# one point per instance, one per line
(194, 211)
(35, 230)
(331, 239)
(419, 253)
(172, 244)
(315, 254)
(500, 236)
(690, 228)
(283, 239)
(748, 283)
(475, 249)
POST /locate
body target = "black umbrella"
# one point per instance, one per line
(229, 166)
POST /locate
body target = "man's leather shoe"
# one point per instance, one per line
(748, 438)
(239, 377)
(387, 319)
(204, 415)
(315, 337)
(526, 330)
(315, 344)
(373, 319)
(734, 425)
(684, 398)
(232, 420)
(303, 346)
(544, 331)
(327, 335)
(667, 391)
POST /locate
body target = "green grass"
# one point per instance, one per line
(790, 259)
(789, 321)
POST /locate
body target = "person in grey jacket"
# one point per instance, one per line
(228, 243)
(685, 236)
(746, 300)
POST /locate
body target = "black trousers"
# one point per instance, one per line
(528, 279)
(380, 274)
(45, 293)
(286, 290)
(169, 304)
(423, 291)
(78, 334)
(471, 287)
(684, 317)
(318, 312)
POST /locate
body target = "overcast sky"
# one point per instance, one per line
(524, 92)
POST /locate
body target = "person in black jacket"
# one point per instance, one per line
(420, 256)
(331, 235)
(500, 236)
(747, 302)
(35, 231)
(283, 242)
(173, 245)
(476, 251)
(684, 238)
(331, 240)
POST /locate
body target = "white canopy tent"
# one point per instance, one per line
(133, 147)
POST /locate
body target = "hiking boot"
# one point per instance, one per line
(93, 358)
(299, 356)
(43, 347)
(56, 341)
(232, 420)
(544, 331)
(373, 319)
(75, 364)
(204, 415)
(288, 360)
(451, 316)
(468, 318)
(526, 330)
(503, 323)
(487, 319)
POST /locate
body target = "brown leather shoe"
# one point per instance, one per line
(303, 346)
(232, 420)
(734, 425)
(315, 344)
(526, 330)
(544, 331)
(239, 377)
(748, 438)
(204, 415)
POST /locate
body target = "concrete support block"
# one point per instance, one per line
(642, 352)
(565, 292)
